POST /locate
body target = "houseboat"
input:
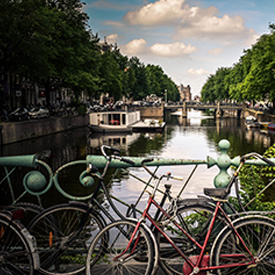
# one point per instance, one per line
(113, 121)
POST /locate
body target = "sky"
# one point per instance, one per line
(188, 39)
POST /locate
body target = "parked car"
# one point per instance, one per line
(39, 112)
(19, 114)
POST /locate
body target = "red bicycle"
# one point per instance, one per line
(244, 245)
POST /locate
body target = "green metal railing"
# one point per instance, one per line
(35, 182)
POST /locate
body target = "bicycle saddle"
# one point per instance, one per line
(216, 192)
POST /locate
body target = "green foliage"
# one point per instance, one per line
(50, 42)
(252, 78)
(253, 179)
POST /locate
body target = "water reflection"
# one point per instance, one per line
(194, 137)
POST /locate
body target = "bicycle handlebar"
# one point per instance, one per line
(258, 156)
(115, 155)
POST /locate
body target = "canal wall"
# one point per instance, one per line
(17, 131)
(23, 130)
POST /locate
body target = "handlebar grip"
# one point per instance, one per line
(269, 162)
(128, 161)
(177, 178)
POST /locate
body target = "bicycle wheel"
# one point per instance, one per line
(16, 256)
(62, 245)
(258, 234)
(32, 210)
(194, 216)
(114, 259)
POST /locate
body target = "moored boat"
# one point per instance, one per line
(264, 125)
(251, 122)
(149, 125)
(271, 126)
(253, 125)
(113, 121)
(250, 119)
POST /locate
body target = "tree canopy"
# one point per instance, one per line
(252, 78)
(51, 43)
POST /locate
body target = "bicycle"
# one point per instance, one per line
(231, 250)
(196, 216)
(64, 232)
(18, 254)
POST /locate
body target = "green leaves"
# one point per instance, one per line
(253, 179)
(50, 43)
(252, 78)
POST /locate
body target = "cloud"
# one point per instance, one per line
(215, 51)
(161, 12)
(136, 46)
(189, 21)
(200, 71)
(115, 24)
(172, 50)
(112, 38)
(140, 46)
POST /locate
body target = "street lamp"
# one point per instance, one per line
(165, 95)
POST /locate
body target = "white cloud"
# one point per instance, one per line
(134, 47)
(139, 46)
(112, 38)
(172, 50)
(215, 51)
(189, 21)
(200, 71)
(161, 12)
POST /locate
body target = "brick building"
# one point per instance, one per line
(185, 93)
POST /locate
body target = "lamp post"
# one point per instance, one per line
(165, 95)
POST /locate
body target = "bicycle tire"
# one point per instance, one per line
(57, 225)
(16, 254)
(194, 216)
(139, 258)
(259, 235)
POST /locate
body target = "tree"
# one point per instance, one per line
(252, 78)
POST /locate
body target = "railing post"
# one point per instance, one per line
(223, 162)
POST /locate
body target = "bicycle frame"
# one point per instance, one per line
(196, 266)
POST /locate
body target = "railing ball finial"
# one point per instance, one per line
(223, 162)
(35, 182)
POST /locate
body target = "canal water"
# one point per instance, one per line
(193, 138)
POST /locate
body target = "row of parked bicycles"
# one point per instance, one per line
(204, 235)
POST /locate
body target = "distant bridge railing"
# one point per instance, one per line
(218, 107)
(205, 106)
